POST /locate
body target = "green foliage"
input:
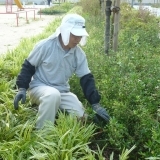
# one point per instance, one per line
(124, 155)
(139, 30)
(51, 142)
(90, 7)
(65, 143)
(58, 9)
(156, 5)
(128, 80)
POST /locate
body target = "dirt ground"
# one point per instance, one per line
(11, 34)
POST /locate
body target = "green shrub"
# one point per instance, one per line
(127, 80)
(58, 9)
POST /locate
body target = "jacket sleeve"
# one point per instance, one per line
(25, 75)
(89, 89)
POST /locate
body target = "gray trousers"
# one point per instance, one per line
(49, 100)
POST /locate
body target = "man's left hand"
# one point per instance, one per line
(100, 111)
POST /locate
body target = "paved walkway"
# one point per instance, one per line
(155, 11)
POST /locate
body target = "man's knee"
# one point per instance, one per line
(52, 95)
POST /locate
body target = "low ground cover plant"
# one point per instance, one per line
(129, 83)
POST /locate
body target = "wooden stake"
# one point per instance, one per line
(107, 28)
(116, 25)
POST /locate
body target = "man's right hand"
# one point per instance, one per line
(21, 95)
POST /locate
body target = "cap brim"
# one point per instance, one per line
(79, 32)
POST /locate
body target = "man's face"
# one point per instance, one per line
(73, 41)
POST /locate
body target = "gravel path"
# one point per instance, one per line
(10, 34)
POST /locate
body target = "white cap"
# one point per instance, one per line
(72, 23)
(75, 23)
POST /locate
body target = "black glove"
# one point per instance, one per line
(101, 112)
(21, 95)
